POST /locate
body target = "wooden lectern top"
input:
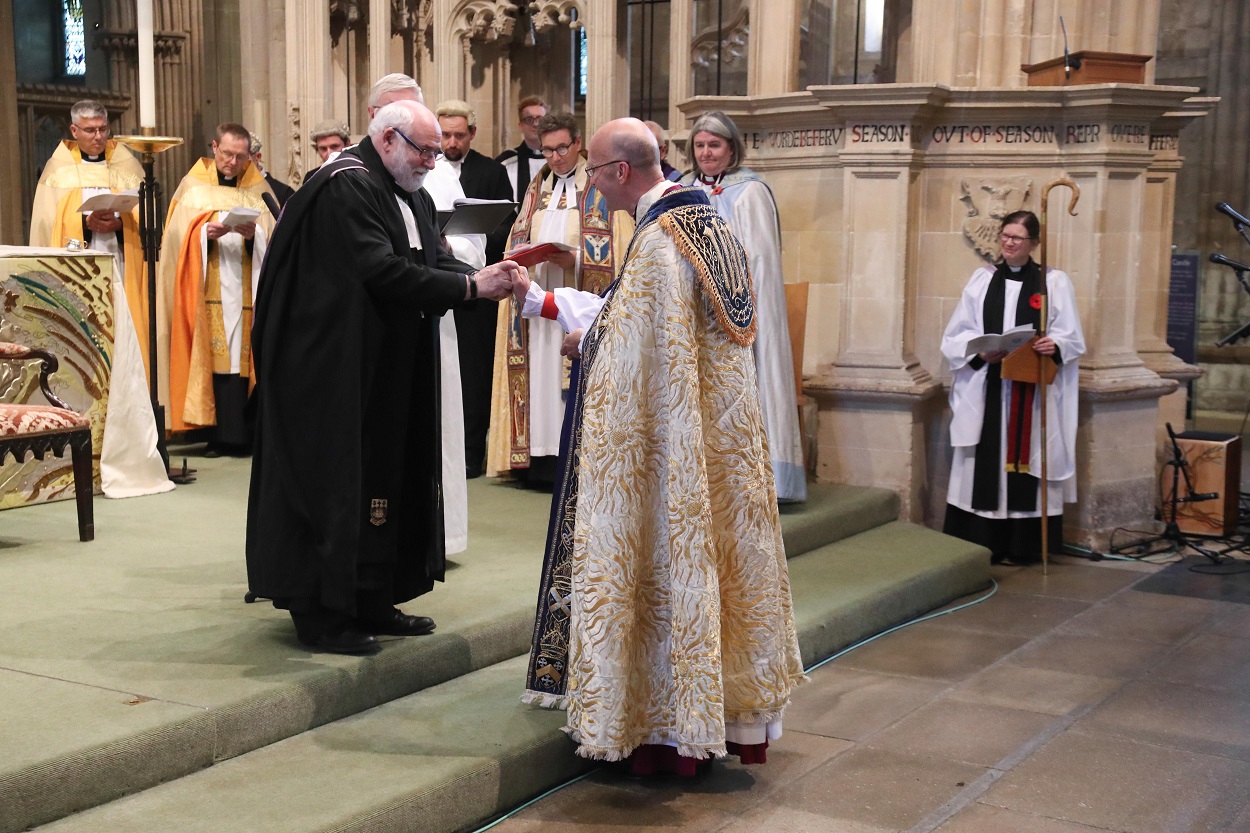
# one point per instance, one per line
(1089, 68)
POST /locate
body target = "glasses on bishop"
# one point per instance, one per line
(1008, 239)
(431, 154)
(558, 152)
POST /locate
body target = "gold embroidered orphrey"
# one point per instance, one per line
(377, 511)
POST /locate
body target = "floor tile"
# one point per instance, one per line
(1119, 784)
(732, 787)
(983, 818)
(877, 787)
(846, 703)
(1035, 689)
(1017, 614)
(1212, 661)
(1148, 624)
(971, 733)
(928, 651)
(595, 808)
(1202, 720)
(1236, 624)
(776, 818)
(1068, 581)
(1090, 655)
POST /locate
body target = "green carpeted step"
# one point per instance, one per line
(452, 756)
(833, 512)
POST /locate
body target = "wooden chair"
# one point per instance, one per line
(49, 428)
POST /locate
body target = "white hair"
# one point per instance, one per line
(87, 109)
(394, 82)
(393, 115)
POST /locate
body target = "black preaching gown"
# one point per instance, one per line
(346, 492)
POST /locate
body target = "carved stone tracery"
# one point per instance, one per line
(551, 13)
(730, 43)
(485, 20)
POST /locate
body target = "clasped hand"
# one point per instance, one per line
(498, 280)
(103, 222)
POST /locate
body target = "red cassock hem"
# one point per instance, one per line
(657, 759)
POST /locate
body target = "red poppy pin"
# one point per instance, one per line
(717, 190)
(1036, 301)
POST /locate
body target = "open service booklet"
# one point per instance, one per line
(240, 216)
(470, 215)
(1007, 342)
(121, 202)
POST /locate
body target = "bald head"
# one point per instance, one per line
(629, 141)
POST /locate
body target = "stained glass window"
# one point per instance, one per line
(75, 38)
(582, 86)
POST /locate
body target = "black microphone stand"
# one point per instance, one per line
(1171, 531)
(150, 231)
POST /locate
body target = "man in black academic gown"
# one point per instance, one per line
(345, 515)
(482, 178)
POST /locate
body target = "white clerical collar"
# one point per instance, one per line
(648, 199)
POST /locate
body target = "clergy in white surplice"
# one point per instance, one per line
(993, 498)
(747, 204)
(531, 379)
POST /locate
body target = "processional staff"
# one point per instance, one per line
(1027, 365)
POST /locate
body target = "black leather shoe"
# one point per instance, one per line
(395, 623)
(349, 640)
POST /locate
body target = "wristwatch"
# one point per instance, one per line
(472, 284)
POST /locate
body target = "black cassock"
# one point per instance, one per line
(346, 494)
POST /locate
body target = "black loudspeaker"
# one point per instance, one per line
(1214, 462)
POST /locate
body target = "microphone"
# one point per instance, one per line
(1197, 497)
(1225, 208)
(272, 205)
(1228, 261)
(1068, 63)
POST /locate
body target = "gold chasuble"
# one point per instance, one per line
(55, 218)
(526, 408)
(194, 276)
(680, 626)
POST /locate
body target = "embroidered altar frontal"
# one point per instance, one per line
(62, 302)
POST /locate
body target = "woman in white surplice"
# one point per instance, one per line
(993, 497)
(747, 204)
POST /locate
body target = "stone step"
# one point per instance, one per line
(452, 756)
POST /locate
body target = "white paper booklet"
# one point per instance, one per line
(240, 216)
(1007, 342)
(121, 202)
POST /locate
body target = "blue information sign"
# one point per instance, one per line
(1183, 306)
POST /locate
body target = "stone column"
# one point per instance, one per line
(680, 78)
(874, 396)
(607, 56)
(308, 87)
(773, 63)
(11, 220)
(379, 39)
(1155, 272)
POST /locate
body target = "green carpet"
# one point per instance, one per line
(132, 660)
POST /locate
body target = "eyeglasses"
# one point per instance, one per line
(232, 157)
(1011, 238)
(591, 169)
(93, 131)
(432, 154)
(560, 152)
(531, 120)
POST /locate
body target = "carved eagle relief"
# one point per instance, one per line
(989, 201)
